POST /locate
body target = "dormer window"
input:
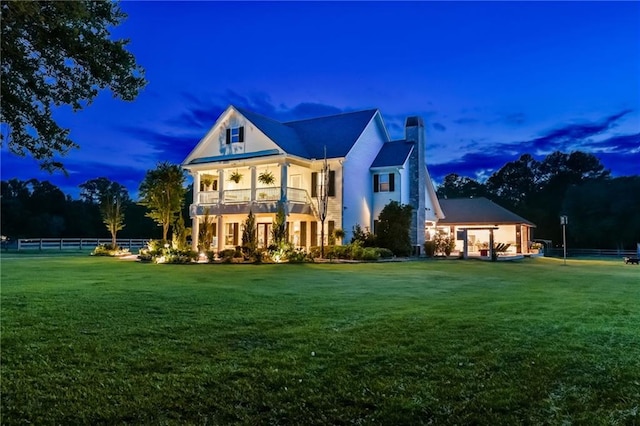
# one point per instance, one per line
(235, 135)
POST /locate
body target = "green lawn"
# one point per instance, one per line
(103, 341)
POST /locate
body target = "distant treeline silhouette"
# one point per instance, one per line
(604, 212)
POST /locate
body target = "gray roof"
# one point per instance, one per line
(477, 211)
(393, 154)
(307, 138)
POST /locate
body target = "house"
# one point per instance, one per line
(248, 162)
(483, 223)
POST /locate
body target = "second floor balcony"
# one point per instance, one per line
(258, 200)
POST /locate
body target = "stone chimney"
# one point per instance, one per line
(414, 132)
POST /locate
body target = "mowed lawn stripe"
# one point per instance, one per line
(99, 340)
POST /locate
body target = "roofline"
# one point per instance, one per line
(209, 133)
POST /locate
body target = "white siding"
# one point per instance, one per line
(357, 189)
(214, 143)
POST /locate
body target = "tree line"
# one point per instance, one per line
(603, 212)
(40, 209)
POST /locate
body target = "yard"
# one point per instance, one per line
(99, 340)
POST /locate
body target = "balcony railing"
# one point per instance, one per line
(208, 197)
(234, 199)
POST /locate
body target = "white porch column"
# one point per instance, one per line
(284, 181)
(196, 187)
(221, 233)
(195, 222)
(254, 180)
(195, 229)
(220, 186)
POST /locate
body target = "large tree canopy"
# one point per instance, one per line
(53, 54)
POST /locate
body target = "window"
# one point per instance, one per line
(384, 182)
(317, 182)
(235, 135)
(231, 234)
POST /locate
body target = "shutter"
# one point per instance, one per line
(376, 183)
(392, 179)
(332, 226)
(332, 183)
(314, 184)
(303, 234)
(214, 227)
(235, 234)
(314, 234)
(241, 134)
(228, 136)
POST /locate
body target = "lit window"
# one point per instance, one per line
(383, 183)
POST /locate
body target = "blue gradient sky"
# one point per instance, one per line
(492, 80)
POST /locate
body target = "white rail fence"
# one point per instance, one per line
(76, 243)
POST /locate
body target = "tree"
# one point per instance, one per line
(394, 224)
(279, 231)
(53, 54)
(205, 232)
(93, 190)
(249, 234)
(162, 191)
(514, 182)
(323, 198)
(112, 202)
(455, 186)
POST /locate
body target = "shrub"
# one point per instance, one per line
(365, 237)
(175, 256)
(430, 248)
(109, 250)
(144, 255)
(227, 255)
(384, 253)
(370, 253)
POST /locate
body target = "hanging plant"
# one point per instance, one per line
(235, 177)
(266, 178)
(207, 180)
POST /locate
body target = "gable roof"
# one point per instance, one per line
(477, 211)
(307, 138)
(393, 154)
(337, 132)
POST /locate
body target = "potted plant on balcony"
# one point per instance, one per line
(266, 177)
(207, 180)
(235, 177)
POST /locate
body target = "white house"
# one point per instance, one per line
(248, 162)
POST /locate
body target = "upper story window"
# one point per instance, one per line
(317, 183)
(384, 182)
(235, 135)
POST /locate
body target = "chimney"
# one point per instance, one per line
(414, 132)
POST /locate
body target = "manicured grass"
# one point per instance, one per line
(99, 340)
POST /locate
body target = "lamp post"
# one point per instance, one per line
(563, 221)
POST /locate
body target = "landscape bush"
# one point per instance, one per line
(109, 250)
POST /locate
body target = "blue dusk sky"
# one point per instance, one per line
(492, 80)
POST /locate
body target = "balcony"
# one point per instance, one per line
(239, 201)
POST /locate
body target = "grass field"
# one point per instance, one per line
(102, 341)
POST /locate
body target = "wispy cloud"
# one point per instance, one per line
(491, 156)
(439, 127)
(466, 120)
